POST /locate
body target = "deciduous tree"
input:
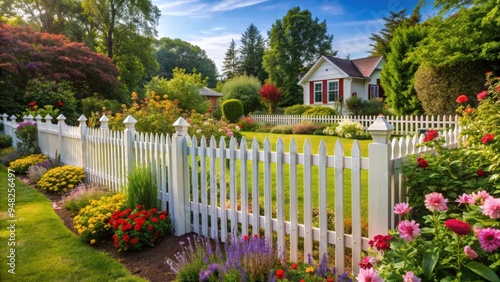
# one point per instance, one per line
(270, 95)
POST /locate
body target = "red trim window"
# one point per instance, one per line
(318, 92)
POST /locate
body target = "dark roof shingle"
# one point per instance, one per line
(358, 67)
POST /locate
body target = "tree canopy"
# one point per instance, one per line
(295, 43)
(176, 53)
(251, 53)
(231, 63)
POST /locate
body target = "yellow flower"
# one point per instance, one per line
(310, 270)
(92, 241)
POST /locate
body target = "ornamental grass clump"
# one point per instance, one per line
(35, 173)
(21, 166)
(61, 179)
(92, 222)
(463, 245)
(141, 188)
(134, 229)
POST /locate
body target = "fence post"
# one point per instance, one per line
(104, 124)
(83, 132)
(129, 143)
(379, 184)
(181, 210)
(61, 124)
(13, 130)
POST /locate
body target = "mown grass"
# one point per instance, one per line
(45, 250)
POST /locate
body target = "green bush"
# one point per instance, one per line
(248, 124)
(5, 141)
(61, 179)
(98, 104)
(282, 129)
(320, 111)
(141, 188)
(92, 222)
(217, 112)
(351, 129)
(9, 155)
(298, 109)
(371, 107)
(331, 130)
(354, 105)
(246, 89)
(28, 135)
(306, 127)
(79, 198)
(21, 166)
(232, 110)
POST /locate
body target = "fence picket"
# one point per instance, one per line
(339, 206)
(308, 232)
(280, 193)
(294, 232)
(212, 154)
(356, 202)
(223, 193)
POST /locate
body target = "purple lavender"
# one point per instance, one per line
(204, 275)
(344, 277)
(323, 267)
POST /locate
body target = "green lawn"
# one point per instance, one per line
(45, 250)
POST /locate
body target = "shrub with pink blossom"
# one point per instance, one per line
(206, 125)
(446, 246)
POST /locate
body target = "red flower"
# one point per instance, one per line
(488, 72)
(431, 135)
(150, 227)
(422, 163)
(330, 279)
(468, 110)
(481, 173)
(154, 219)
(280, 274)
(294, 266)
(126, 237)
(482, 95)
(245, 237)
(137, 227)
(139, 207)
(459, 227)
(162, 217)
(32, 104)
(365, 264)
(154, 210)
(498, 88)
(134, 241)
(256, 236)
(462, 99)
(381, 242)
(487, 138)
(60, 104)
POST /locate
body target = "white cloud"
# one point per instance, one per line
(215, 46)
(201, 9)
(333, 9)
(357, 46)
(379, 22)
(227, 5)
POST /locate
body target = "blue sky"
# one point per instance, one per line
(211, 24)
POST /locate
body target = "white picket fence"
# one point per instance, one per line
(232, 180)
(403, 125)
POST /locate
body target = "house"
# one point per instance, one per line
(333, 80)
(211, 95)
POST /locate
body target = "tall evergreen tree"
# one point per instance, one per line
(296, 42)
(251, 53)
(230, 64)
(394, 20)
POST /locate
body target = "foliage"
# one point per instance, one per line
(5, 141)
(331, 130)
(61, 179)
(81, 196)
(230, 65)
(48, 57)
(92, 222)
(461, 244)
(306, 127)
(282, 129)
(28, 137)
(381, 45)
(176, 53)
(354, 105)
(298, 109)
(269, 97)
(21, 166)
(35, 173)
(141, 188)
(437, 87)
(374, 106)
(97, 104)
(183, 87)
(134, 229)
(251, 53)
(205, 125)
(244, 88)
(35, 111)
(8, 155)
(232, 110)
(397, 74)
(320, 111)
(351, 129)
(57, 98)
(154, 114)
(248, 124)
(292, 51)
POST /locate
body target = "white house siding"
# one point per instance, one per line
(360, 87)
(326, 71)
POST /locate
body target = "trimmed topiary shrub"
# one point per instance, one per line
(21, 166)
(298, 109)
(5, 141)
(306, 127)
(320, 111)
(282, 129)
(232, 110)
(61, 179)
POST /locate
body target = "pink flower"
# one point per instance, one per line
(435, 202)
(470, 252)
(367, 262)
(368, 275)
(489, 239)
(229, 133)
(482, 95)
(487, 138)
(465, 199)
(402, 208)
(408, 230)
(462, 99)
(480, 196)
(410, 277)
(491, 207)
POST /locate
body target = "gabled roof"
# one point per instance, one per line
(358, 67)
(205, 91)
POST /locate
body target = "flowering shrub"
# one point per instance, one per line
(92, 222)
(134, 229)
(282, 129)
(305, 127)
(245, 259)
(61, 179)
(28, 135)
(331, 130)
(463, 245)
(351, 129)
(248, 124)
(205, 125)
(22, 165)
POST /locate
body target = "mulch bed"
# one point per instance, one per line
(149, 263)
